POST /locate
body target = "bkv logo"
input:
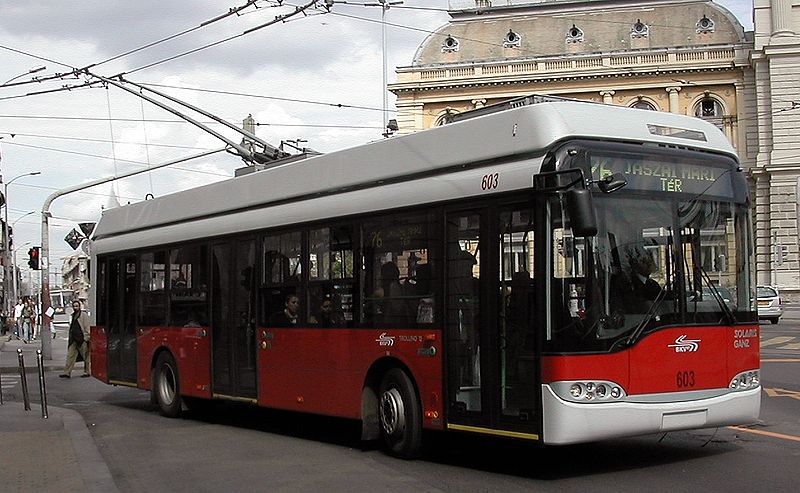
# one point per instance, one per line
(683, 345)
(384, 340)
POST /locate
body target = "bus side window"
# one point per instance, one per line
(152, 284)
(188, 286)
(330, 277)
(281, 276)
(400, 261)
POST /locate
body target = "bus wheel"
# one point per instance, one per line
(400, 415)
(166, 386)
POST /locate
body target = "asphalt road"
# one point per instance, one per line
(240, 448)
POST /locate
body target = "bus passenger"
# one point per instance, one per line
(288, 316)
(326, 318)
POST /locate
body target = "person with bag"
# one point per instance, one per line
(78, 341)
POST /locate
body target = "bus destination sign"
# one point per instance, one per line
(660, 176)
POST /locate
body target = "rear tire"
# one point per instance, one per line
(166, 386)
(400, 415)
(774, 320)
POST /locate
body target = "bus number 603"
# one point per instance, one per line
(685, 379)
(490, 181)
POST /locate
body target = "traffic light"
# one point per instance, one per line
(33, 257)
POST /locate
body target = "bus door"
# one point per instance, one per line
(121, 331)
(492, 369)
(233, 318)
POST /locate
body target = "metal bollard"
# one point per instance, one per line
(23, 380)
(42, 384)
(1, 382)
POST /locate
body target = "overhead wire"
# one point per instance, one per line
(104, 141)
(261, 96)
(97, 156)
(276, 20)
(150, 120)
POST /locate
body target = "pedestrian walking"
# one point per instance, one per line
(78, 341)
(17, 319)
(28, 321)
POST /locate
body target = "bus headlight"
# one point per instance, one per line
(746, 380)
(588, 391)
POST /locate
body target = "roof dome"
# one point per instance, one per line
(575, 27)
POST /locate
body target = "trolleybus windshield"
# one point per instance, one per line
(672, 249)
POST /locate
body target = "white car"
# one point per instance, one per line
(769, 303)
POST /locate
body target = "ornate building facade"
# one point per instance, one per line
(684, 56)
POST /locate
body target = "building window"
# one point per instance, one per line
(708, 108)
(512, 40)
(574, 35)
(445, 117)
(640, 30)
(705, 26)
(643, 105)
(450, 45)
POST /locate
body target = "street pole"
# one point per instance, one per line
(44, 265)
(44, 260)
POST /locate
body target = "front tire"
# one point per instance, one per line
(400, 415)
(166, 386)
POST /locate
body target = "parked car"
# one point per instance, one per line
(769, 303)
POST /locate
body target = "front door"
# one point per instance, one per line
(491, 320)
(122, 319)
(233, 318)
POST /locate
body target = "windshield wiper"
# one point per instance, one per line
(662, 295)
(726, 310)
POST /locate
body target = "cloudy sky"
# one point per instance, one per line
(291, 76)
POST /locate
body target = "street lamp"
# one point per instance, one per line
(30, 71)
(6, 241)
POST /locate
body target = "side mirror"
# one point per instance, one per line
(581, 212)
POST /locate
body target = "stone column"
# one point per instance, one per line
(674, 103)
(782, 18)
(608, 96)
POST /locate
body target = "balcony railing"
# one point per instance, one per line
(560, 64)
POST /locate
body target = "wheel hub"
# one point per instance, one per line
(392, 412)
(167, 387)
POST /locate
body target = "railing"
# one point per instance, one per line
(545, 65)
(485, 4)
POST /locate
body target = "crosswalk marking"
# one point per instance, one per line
(9, 381)
(775, 341)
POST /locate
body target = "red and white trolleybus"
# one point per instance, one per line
(548, 270)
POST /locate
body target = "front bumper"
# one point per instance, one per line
(568, 422)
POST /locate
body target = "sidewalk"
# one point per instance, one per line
(39, 455)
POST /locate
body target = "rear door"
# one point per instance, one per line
(233, 318)
(121, 320)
